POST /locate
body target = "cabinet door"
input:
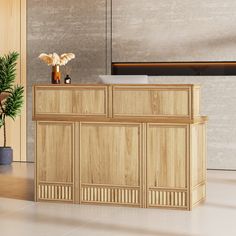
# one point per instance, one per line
(110, 156)
(55, 161)
(167, 161)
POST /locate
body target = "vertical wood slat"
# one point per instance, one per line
(55, 192)
(104, 194)
(167, 198)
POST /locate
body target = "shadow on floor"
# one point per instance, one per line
(69, 222)
(220, 205)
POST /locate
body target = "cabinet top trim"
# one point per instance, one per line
(119, 85)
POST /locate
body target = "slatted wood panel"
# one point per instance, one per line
(80, 101)
(110, 194)
(13, 38)
(55, 192)
(153, 101)
(167, 198)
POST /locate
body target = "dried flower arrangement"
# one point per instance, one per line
(55, 61)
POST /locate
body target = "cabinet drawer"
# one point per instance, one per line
(79, 101)
(152, 101)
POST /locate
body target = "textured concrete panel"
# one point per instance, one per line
(60, 26)
(174, 30)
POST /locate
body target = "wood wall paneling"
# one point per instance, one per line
(13, 38)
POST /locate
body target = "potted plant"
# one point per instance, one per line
(11, 100)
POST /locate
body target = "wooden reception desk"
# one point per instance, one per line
(129, 145)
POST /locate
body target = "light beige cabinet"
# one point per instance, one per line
(156, 161)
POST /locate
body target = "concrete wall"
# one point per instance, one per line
(174, 30)
(142, 30)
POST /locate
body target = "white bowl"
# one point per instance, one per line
(124, 79)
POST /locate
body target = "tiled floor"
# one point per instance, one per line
(20, 216)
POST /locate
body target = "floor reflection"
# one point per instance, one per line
(16, 181)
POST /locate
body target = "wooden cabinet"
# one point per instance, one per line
(116, 161)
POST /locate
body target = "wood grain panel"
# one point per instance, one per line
(196, 99)
(141, 101)
(51, 101)
(89, 101)
(13, 38)
(198, 154)
(110, 154)
(167, 156)
(81, 101)
(55, 152)
(198, 194)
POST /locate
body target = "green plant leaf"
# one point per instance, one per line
(14, 102)
(1, 120)
(8, 71)
(11, 104)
